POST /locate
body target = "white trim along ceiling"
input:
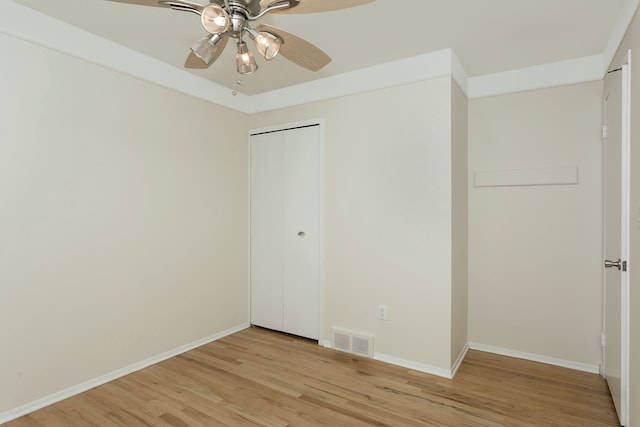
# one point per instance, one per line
(26, 24)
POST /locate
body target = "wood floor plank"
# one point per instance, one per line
(262, 378)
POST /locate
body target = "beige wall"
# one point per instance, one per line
(387, 215)
(632, 41)
(535, 252)
(124, 207)
(459, 231)
(123, 221)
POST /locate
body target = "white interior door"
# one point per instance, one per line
(267, 230)
(302, 231)
(285, 230)
(616, 239)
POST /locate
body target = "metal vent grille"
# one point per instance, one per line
(361, 346)
(353, 342)
(341, 341)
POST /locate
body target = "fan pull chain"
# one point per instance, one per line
(239, 82)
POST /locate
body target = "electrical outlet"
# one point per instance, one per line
(382, 312)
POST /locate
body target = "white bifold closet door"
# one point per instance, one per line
(285, 228)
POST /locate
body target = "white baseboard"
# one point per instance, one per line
(459, 360)
(420, 367)
(446, 373)
(593, 369)
(95, 382)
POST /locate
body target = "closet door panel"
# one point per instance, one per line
(301, 231)
(267, 232)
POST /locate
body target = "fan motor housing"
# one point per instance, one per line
(251, 6)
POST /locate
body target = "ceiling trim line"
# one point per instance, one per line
(562, 73)
(627, 12)
(26, 24)
(405, 71)
(459, 73)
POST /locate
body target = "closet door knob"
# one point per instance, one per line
(301, 233)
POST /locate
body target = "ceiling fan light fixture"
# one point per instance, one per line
(206, 48)
(267, 43)
(215, 19)
(245, 61)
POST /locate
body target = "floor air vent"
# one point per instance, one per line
(341, 341)
(353, 342)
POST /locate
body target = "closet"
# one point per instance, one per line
(285, 230)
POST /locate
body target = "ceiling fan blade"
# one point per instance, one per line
(266, 3)
(175, 4)
(183, 5)
(141, 2)
(195, 63)
(313, 6)
(297, 50)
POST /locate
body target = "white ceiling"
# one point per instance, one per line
(488, 36)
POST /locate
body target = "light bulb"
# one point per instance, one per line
(245, 61)
(215, 19)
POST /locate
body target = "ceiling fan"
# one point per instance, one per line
(231, 19)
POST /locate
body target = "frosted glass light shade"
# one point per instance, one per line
(206, 48)
(245, 61)
(215, 19)
(268, 44)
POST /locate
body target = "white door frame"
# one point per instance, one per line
(626, 201)
(625, 173)
(321, 286)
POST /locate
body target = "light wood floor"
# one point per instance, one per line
(258, 377)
